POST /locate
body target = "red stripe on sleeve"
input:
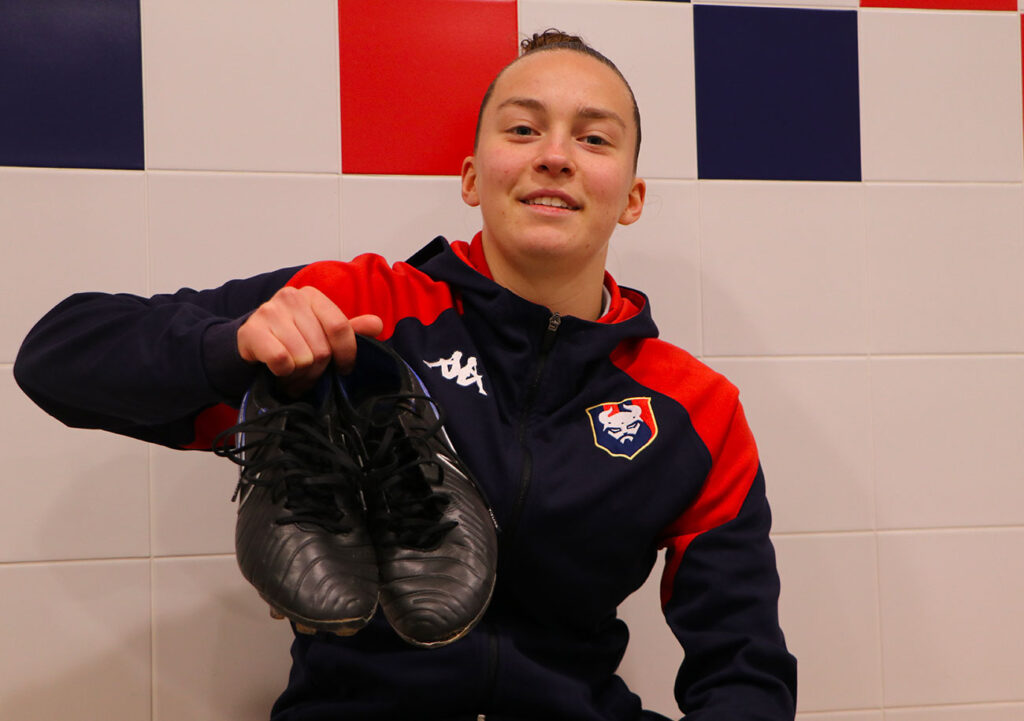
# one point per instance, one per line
(712, 403)
(209, 423)
(368, 284)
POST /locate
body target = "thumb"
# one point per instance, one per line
(370, 325)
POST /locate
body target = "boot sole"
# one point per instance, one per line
(308, 626)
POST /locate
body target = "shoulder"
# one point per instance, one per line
(326, 274)
(708, 398)
(672, 371)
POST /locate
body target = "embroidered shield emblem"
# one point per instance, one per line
(623, 428)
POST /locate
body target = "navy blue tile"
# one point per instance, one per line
(777, 93)
(71, 84)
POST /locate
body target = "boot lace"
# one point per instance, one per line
(309, 470)
(404, 472)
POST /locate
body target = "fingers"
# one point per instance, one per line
(298, 332)
(340, 331)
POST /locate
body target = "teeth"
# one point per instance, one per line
(552, 202)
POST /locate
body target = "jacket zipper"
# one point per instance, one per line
(525, 476)
(492, 669)
(508, 530)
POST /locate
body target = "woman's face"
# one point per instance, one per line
(553, 168)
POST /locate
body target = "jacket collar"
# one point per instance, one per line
(463, 265)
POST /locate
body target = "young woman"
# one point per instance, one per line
(595, 443)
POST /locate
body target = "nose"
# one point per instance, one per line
(555, 156)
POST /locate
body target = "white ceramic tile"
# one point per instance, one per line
(397, 215)
(812, 422)
(986, 712)
(947, 438)
(951, 622)
(783, 268)
(945, 264)
(652, 45)
(66, 231)
(192, 508)
(829, 613)
(71, 493)
(233, 85)
(76, 641)
(841, 716)
(217, 654)
(653, 656)
(659, 255)
(940, 95)
(207, 228)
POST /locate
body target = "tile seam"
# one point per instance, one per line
(260, 173)
(965, 705)
(111, 559)
(867, 355)
(905, 531)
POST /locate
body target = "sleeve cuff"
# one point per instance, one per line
(226, 371)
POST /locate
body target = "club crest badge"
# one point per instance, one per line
(623, 428)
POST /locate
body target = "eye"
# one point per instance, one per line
(523, 130)
(594, 140)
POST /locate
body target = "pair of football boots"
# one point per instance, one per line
(353, 496)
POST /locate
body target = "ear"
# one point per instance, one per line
(469, 194)
(634, 202)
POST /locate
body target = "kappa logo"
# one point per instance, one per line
(466, 375)
(623, 428)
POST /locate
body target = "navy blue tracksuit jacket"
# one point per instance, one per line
(595, 442)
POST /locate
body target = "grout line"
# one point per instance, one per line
(269, 173)
(869, 356)
(876, 182)
(152, 635)
(416, 176)
(700, 276)
(113, 559)
(66, 561)
(148, 280)
(972, 705)
(828, 534)
(951, 529)
(789, 4)
(897, 531)
(338, 196)
(336, 78)
(839, 713)
(152, 591)
(873, 455)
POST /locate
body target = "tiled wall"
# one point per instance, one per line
(835, 220)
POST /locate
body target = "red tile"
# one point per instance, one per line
(412, 77)
(942, 4)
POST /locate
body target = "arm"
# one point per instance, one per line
(162, 369)
(143, 367)
(720, 590)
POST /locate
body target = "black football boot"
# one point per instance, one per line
(301, 538)
(435, 535)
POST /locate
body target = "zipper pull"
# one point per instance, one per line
(549, 335)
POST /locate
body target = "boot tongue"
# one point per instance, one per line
(376, 373)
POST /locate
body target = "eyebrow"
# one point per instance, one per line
(588, 112)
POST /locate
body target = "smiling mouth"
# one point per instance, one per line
(550, 202)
